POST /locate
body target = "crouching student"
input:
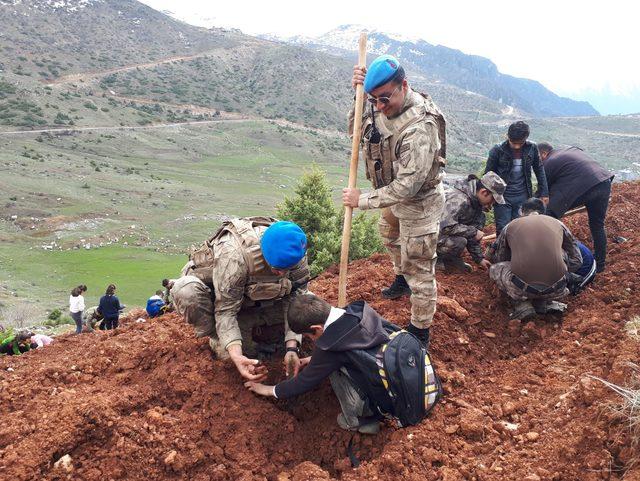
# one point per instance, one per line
(376, 369)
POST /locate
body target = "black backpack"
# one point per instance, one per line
(409, 377)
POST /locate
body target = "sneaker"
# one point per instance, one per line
(368, 428)
(399, 288)
(523, 310)
(555, 307)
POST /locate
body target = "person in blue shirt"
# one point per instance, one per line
(155, 304)
(577, 281)
(110, 308)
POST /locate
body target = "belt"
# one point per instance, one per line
(531, 289)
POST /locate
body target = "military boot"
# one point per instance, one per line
(399, 288)
(455, 264)
(421, 334)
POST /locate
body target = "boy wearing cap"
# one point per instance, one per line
(463, 220)
(403, 144)
(259, 263)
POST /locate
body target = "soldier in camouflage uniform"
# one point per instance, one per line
(530, 260)
(463, 220)
(403, 144)
(253, 266)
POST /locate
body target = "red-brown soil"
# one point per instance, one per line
(147, 402)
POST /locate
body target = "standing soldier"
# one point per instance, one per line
(403, 142)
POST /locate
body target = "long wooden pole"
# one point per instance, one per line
(491, 237)
(353, 175)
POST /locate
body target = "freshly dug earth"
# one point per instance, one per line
(148, 402)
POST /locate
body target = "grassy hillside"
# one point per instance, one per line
(147, 194)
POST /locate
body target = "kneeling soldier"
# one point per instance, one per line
(463, 220)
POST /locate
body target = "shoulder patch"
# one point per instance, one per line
(404, 153)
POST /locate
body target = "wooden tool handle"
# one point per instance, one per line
(353, 175)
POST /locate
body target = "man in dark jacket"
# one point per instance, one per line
(463, 220)
(575, 179)
(346, 343)
(513, 160)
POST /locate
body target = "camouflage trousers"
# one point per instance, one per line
(501, 274)
(452, 246)
(261, 325)
(412, 247)
(194, 302)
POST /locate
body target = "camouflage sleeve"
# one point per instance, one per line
(499, 251)
(416, 153)
(449, 225)
(570, 246)
(475, 249)
(229, 277)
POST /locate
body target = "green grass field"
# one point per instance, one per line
(144, 195)
(46, 278)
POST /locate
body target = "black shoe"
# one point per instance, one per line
(456, 264)
(399, 288)
(421, 334)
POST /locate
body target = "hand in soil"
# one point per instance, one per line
(261, 389)
(250, 369)
(291, 364)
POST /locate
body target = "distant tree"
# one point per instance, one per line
(313, 209)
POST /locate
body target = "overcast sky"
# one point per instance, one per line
(577, 49)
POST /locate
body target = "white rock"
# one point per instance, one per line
(64, 463)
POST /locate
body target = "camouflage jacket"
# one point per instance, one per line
(414, 190)
(233, 285)
(463, 216)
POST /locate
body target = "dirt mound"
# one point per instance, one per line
(147, 401)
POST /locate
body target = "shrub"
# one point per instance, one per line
(313, 209)
(54, 315)
(20, 315)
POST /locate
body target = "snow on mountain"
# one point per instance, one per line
(68, 6)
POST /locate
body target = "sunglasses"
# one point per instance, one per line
(383, 100)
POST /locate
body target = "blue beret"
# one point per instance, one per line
(283, 244)
(380, 72)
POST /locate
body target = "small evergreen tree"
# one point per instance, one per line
(313, 209)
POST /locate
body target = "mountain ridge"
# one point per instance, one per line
(440, 63)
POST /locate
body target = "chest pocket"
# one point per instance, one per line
(377, 153)
(265, 291)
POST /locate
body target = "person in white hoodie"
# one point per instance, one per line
(76, 306)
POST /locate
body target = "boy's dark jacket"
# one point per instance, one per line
(352, 342)
(500, 161)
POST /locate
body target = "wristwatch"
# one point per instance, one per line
(293, 349)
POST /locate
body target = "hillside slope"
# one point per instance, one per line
(146, 402)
